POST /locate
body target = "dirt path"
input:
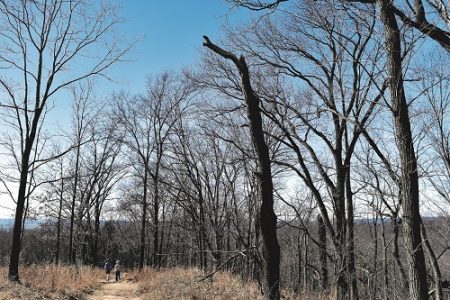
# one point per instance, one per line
(112, 290)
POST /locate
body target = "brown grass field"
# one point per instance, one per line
(50, 282)
(64, 282)
(186, 284)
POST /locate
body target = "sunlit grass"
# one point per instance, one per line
(50, 282)
(70, 282)
(180, 283)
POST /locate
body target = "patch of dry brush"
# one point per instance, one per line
(70, 282)
(50, 282)
(179, 283)
(187, 284)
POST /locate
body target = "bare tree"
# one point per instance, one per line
(148, 122)
(418, 286)
(139, 139)
(321, 86)
(85, 112)
(435, 79)
(43, 40)
(409, 175)
(431, 19)
(267, 218)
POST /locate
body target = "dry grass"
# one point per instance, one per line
(64, 282)
(179, 283)
(50, 282)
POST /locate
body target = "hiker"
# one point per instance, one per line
(108, 267)
(117, 269)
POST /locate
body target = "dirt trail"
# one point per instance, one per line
(112, 290)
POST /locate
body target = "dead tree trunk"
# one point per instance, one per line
(434, 265)
(351, 269)
(418, 288)
(13, 273)
(17, 231)
(58, 225)
(143, 220)
(322, 232)
(74, 198)
(267, 217)
(156, 200)
(396, 251)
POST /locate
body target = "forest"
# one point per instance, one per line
(307, 151)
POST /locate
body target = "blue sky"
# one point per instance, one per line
(170, 34)
(170, 37)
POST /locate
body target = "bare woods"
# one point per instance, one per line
(308, 151)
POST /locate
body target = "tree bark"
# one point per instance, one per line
(351, 269)
(17, 232)
(156, 257)
(58, 225)
(396, 252)
(267, 217)
(342, 285)
(13, 273)
(143, 221)
(322, 232)
(385, 260)
(434, 265)
(72, 208)
(418, 288)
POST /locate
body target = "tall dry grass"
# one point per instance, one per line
(186, 284)
(179, 283)
(69, 282)
(50, 282)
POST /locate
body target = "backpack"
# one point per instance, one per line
(108, 266)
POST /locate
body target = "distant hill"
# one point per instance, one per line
(6, 224)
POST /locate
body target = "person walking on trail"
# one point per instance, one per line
(117, 269)
(108, 267)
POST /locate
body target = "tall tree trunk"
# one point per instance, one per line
(143, 221)
(342, 286)
(58, 224)
(322, 232)
(305, 262)
(72, 208)
(13, 272)
(156, 257)
(267, 217)
(161, 240)
(385, 259)
(94, 255)
(17, 232)
(203, 235)
(418, 288)
(351, 270)
(373, 274)
(434, 264)
(300, 262)
(396, 252)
